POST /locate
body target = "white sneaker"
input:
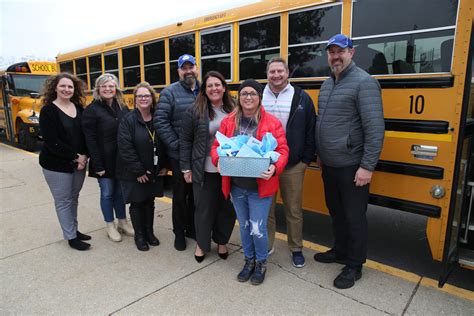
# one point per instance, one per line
(125, 227)
(112, 232)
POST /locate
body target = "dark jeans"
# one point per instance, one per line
(214, 216)
(183, 202)
(347, 205)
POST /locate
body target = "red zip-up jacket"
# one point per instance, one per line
(267, 123)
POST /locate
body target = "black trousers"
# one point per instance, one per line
(347, 205)
(183, 202)
(214, 216)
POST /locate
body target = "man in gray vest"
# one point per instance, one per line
(175, 100)
(349, 138)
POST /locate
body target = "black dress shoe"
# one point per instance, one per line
(199, 259)
(346, 279)
(328, 257)
(78, 244)
(82, 236)
(223, 255)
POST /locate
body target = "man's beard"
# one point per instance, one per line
(190, 80)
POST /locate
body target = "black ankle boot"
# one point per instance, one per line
(76, 243)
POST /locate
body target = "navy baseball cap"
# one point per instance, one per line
(340, 40)
(186, 58)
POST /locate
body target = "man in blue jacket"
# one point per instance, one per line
(174, 101)
(295, 110)
(349, 138)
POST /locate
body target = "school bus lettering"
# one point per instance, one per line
(419, 104)
(41, 67)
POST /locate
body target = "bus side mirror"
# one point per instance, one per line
(34, 95)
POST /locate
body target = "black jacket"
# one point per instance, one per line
(100, 124)
(194, 143)
(135, 149)
(175, 100)
(57, 153)
(300, 128)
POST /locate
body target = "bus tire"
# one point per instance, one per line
(25, 140)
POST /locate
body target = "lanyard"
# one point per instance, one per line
(152, 135)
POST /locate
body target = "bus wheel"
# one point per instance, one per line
(25, 140)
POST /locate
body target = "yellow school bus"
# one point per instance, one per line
(420, 51)
(20, 103)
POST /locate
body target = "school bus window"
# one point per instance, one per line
(419, 42)
(259, 41)
(180, 45)
(67, 67)
(95, 68)
(111, 63)
(81, 70)
(309, 30)
(402, 54)
(216, 52)
(23, 85)
(131, 66)
(401, 16)
(154, 58)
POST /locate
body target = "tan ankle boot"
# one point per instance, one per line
(112, 232)
(125, 227)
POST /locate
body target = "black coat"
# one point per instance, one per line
(100, 124)
(135, 149)
(300, 128)
(57, 153)
(194, 143)
(175, 100)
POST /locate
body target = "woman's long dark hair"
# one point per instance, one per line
(49, 89)
(203, 104)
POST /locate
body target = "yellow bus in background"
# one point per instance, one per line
(420, 51)
(20, 103)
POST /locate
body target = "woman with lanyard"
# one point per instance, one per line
(252, 197)
(140, 165)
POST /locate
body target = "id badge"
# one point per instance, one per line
(155, 160)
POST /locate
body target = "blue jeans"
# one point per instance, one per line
(252, 213)
(110, 199)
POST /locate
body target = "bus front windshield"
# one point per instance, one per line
(25, 84)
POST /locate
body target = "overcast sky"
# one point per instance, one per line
(40, 29)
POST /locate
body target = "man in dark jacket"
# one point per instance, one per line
(172, 106)
(349, 139)
(295, 110)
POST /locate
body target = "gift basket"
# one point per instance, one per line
(246, 156)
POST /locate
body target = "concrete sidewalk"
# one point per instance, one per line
(40, 274)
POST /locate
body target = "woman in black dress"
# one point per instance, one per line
(140, 165)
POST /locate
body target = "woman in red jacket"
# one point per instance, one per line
(252, 197)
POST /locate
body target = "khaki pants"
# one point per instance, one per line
(291, 191)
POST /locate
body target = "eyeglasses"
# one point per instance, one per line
(143, 96)
(246, 94)
(108, 87)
